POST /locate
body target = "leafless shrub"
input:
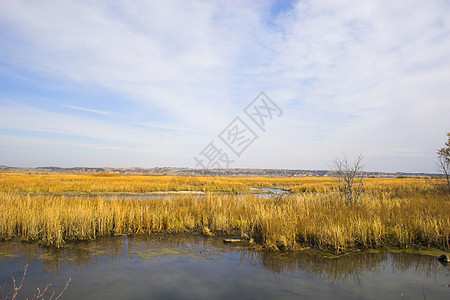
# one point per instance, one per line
(40, 294)
(443, 162)
(349, 178)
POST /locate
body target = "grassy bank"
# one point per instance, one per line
(396, 214)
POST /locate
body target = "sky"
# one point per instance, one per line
(160, 83)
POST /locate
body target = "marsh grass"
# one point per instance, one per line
(392, 212)
(109, 183)
(115, 183)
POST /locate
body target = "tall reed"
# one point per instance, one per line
(111, 183)
(403, 216)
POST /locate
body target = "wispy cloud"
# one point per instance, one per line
(92, 131)
(100, 112)
(372, 75)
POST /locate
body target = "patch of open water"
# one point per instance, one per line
(195, 267)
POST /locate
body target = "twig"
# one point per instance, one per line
(40, 295)
(67, 284)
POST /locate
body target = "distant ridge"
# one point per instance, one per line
(200, 172)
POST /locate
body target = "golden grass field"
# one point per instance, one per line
(391, 212)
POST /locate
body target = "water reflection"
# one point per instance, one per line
(188, 267)
(86, 254)
(346, 267)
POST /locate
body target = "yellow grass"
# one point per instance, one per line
(110, 183)
(394, 212)
(116, 183)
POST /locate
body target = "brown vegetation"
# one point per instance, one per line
(400, 212)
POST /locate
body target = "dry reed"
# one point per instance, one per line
(396, 212)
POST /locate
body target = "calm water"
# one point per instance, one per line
(168, 267)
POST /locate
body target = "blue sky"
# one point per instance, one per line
(151, 83)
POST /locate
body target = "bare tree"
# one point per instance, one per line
(349, 177)
(40, 294)
(443, 162)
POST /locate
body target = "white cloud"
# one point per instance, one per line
(350, 75)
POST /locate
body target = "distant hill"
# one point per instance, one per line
(199, 172)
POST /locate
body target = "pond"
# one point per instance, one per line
(196, 267)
